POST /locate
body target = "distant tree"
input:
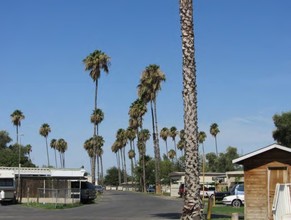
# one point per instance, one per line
(223, 162)
(44, 131)
(201, 138)
(282, 134)
(9, 156)
(111, 177)
(115, 149)
(173, 133)
(131, 135)
(88, 146)
(99, 153)
(182, 142)
(53, 145)
(28, 149)
(211, 165)
(4, 139)
(164, 134)
(143, 136)
(16, 117)
(172, 154)
(62, 147)
(214, 130)
(121, 139)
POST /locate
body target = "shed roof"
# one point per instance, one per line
(260, 151)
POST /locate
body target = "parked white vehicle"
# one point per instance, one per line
(234, 200)
(7, 186)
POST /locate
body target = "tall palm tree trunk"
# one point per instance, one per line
(17, 134)
(93, 169)
(118, 164)
(64, 161)
(192, 202)
(47, 153)
(134, 151)
(98, 170)
(101, 175)
(216, 146)
(124, 163)
(166, 148)
(157, 151)
(61, 163)
(56, 158)
(143, 173)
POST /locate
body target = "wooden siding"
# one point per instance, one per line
(259, 189)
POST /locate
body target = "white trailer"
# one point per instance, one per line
(7, 186)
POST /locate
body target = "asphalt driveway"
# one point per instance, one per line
(113, 205)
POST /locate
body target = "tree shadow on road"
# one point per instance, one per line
(168, 215)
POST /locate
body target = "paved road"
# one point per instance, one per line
(113, 205)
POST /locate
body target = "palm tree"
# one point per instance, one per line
(214, 130)
(16, 118)
(181, 143)
(131, 155)
(143, 137)
(131, 135)
(173, 133)
(96, 118)
(53, 145)
(62, 146)
(172, 154)
(99, 153)
(192, 203)
(115, 149)
(164, 134)
(94, 63)
(201, 138)
(44, 131)
(28, 149)
(150, 84)
(136, 111)
(122, 140)
(88, 146)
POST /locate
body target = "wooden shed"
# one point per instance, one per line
(263, 169)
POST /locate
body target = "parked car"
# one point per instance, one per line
(99, 189)
(234, 200)
(86, 192)
(237, 189)
(208, 191)
(151, 188)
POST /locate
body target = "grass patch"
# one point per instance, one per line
(52, 205)
(223, 212)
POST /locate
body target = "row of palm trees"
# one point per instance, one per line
(58, 145)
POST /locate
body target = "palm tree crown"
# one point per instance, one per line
(214, 130)
(44, 131)
(16, 118)
(96, 62)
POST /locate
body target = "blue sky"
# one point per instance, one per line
(243, 55)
